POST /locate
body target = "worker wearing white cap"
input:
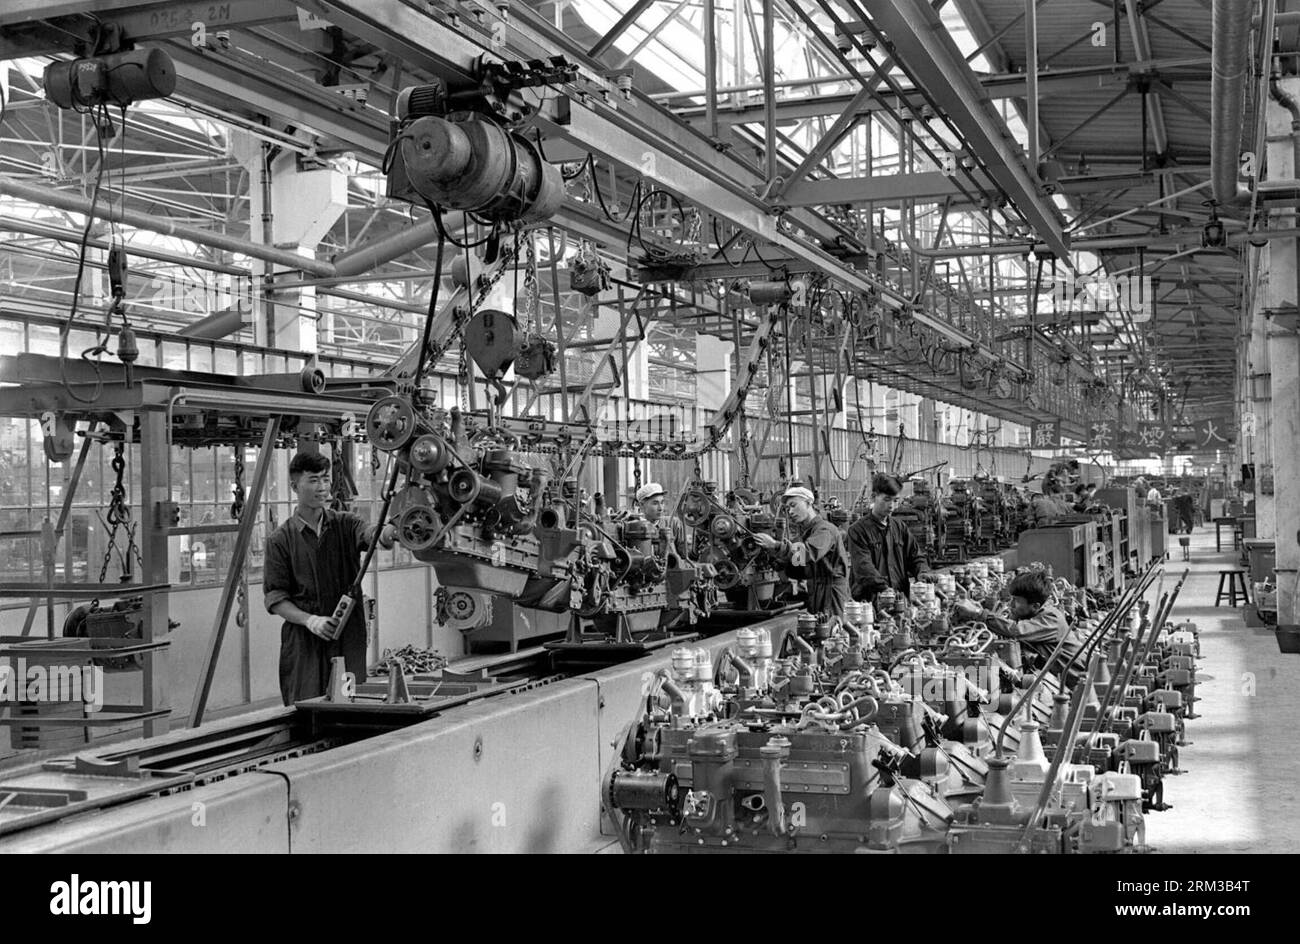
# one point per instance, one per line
(652, 499)
(817, 554)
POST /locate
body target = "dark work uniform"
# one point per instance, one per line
(1042, 633)
(884, 555)
(825, 565)
(313, 571)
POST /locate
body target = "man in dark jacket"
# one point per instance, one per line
(816, 555)
(883, 552)
(312, 560)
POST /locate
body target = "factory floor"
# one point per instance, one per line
(1242, 769)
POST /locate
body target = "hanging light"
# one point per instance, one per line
(1213, 235)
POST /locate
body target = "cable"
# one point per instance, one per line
(66, 330)
(433, 306)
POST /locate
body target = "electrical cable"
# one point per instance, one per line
(433, 307)
(66, 329)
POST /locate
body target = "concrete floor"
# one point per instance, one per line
(1242, 769)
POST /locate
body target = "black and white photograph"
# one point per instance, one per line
(634, 427)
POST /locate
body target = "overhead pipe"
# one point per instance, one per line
(369, 256)
(47, 196)
(1230, 71)
(217, 325)
(48, 231)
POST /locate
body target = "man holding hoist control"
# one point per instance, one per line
(311, 563)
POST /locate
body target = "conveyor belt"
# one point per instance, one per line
(36, 792)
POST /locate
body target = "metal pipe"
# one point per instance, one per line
(1109, 242)
(1142, 50)
(1230, 70)
(1156, 202)
(711, 68)
(46, 231)
(219, 324)
(1031, 82)
(45, 196)
(369, 256)
(769, 91)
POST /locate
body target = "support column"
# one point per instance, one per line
(1284, 364)
(306, 202)
(291, 207)
(712, 371)
(154, 467)
(1259, 390)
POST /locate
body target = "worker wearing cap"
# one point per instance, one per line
(884, 553)
(816, 555)
(652, 499)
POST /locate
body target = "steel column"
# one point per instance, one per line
(247, 524)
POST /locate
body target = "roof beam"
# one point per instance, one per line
(1052, 83)
(933, 60)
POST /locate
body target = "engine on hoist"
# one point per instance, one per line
(991, 526)
(960, 511)
(922, 513)
(489, 521)
(749, 577)
(627, 578)
(469, 505)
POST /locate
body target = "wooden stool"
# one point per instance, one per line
(1235, 578)
(1185, 543)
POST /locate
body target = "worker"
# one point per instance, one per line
(1048, 506)
(1185, 508)
(883, 551)
(1083, 496)
(1034, 622)
(652, 499)
(817, 554)
(312, 560)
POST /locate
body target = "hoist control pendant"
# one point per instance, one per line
(463, 162)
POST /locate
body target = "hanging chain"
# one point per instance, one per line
(119, 516)
(463, 313)
(743, 422)
(636, 472)
(462, 378)
(237, 489)
(532, 297)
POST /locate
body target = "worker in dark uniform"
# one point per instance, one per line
(1034, 622)
(312, 560)
(884, 553)
(817, 554)
(652, 499)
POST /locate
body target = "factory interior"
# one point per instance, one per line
(649, 426)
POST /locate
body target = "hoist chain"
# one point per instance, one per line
(237, 489)
(462, 378)
(463, 314)
(119, 516)
(532, 306)
(744, 446)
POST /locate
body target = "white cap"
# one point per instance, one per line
(649, 490)
(798, 491)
